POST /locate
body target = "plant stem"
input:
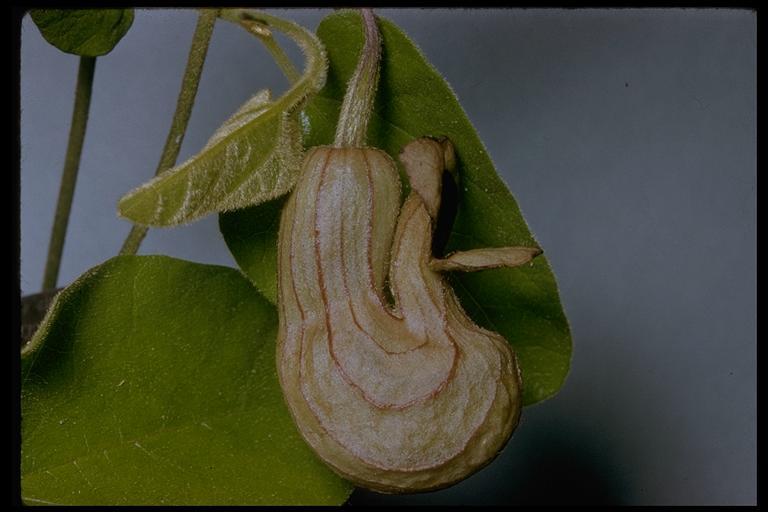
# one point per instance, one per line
(265, 35)
(314, 73)
(69, 174)
(361, 90)
(186, 100)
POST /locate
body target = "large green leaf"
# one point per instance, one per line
(84, 32)
(414, 100)
(152, 381)
(253, 157)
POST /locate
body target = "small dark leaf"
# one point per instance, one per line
(84, 32)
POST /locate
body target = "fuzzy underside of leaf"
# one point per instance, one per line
(252, 158)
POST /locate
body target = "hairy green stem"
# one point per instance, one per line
(278, 54)
(189, 84)
(71, 165)
(314, 74)
(361, 90)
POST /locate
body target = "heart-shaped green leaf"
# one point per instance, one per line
(152, 381)
(84, 32)
(413, 100)
(253, 157)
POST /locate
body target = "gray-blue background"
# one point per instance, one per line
(628, 138)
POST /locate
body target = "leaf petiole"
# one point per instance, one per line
(265, 35)
(314, 74)
(71, 166)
